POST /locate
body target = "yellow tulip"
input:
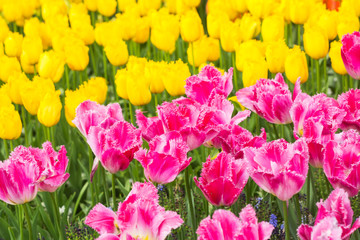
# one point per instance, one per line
(51, 65)
(72, 101)
(200, 54)
(77, 57)
(120, 82)
(28, 7)
(8, 65)
(336, 60)
(214, 23)
(249, 27)
(300, 11)
(106, 7)
(125, 24)
(154, 74)
(96, 89)
(253, 71)
(4, 29)
(32, 49)
(139, 94)
(13, 44)
(117, 53)
(49, 111)
(192, 3)
(33, 92)
(10, 123)
(328, 21)
(4, 96)
(316, 42)
(347, 23)
(213, 49)
(230, 35)
(142, 30)
(223, 6)
(91, 5)
(272, 28)
(1, 49)
(145, 6)
(12, 11)
(239, 5)
(26, 67)
(16, 82)
(247, 50)
(296, 65)
(276, 53)
(191, 27)
(124, 4)
(84, 31)
(175, 76)
(261, 8)
(136, 65)
(52, 8)
(78, 13)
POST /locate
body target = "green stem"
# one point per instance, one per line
(48, 134)
(105, 64)
(297, 207)
(27, 216)
(257, 124)
(290, 35)
(57, 214)
(11, 145)
(21, 222)
(344, 79)
(235, 71)
(113, 192)
(155, 101)
(275, 131)
(131, 113)
(6, 148)
(299, 34)
(93, 59)
(286, 33)
(325, 76)
(113, 83)
(67, 77)
(35, 72)
(221, 59)
(91, 183)
(287, 230)
(351, 82)
(193, 58)
(103, 173)
(318, 75)
(80, 76)
(189, 198)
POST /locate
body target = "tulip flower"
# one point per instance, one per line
(327, 20)
(296, 65)
(333, 220)
(138, 92)
(90, 113)
(11, 11)
(142, 30)
(348, 102)
(214, 23)
(222, 179)
(31, 49)
(117, 53)
(341, 162)
(150, 127)
(175, 76)
(199, 87)
(49, 111)
(10, 123)
(272, 28)
(337, 63)
(8, 65)
(91, 5)
(347, 24)
(276, 53)
(120, 82)
(145, 6)
(53, 8)
(213, 47)
(16, 82)
(198, 53)
(249, 50)
(225, 225)
(165, 159)
(95, 89)
(270, 99)
(190, 26)
(138, 216)
(72, 101)
(229, 35)
(51, 65)
(299, 11)
(249, 27)
(114, 144)
(349, 54)
(278, 167)
(316, 42)
(4, 29)
(253, 71)
(76, 54)
(125, 23)
(51, 165)
(12, 44)
(106, 7)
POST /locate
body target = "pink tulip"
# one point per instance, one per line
(316, 119)
(165, 159)
(350, 53)
(233, 139)
(334, 216)
(342, 162)
(224, 225)
(278, 167)
(350, 103)
(200, 87)
(150, 127)
(269, 98)
(222, 179)
(139, 217)
(114, 144)
(52, 165)
(17, 180)
(90, 113)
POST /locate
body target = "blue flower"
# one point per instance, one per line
(273, 220)
(258, 202)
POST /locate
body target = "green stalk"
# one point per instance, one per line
(131, 113)
(27, 216)
(221, 59)
(93, 60)
(48, 134)
(80, 76)
(105, 185)
(11, 145)
(286, 33)
(235, 71)
(275, 131)
(105, 65)
(257, 124)
(286, 218)
(35, 72)
(113, 82)
(189, 198)
(57, 214)
(299, 34)
(155, 101)
(290, 35)
(6, 148)
(318, 75)
(351, 82)
(344, 79)
(297, 207)
(91, 183)
(67, 77)
(21, 222)
(193, 58)
(113, 191)
(325, 76)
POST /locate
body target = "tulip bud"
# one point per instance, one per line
(175, 76)
(51, 8)
(124, 4)
(50, 109)
(249, 27)
(261, 8)
(336, 61)
(253, 71)
(51, 65)
(192, 3)
(272, 28)
(145, 6)
(276, 53)
(16, 81)
(117, 53)
(214, 23)
(142, 30)
(300, 11)
(10, 123)
(296, 65)
(347, 23)
(12, 11)
(72, 101)
(200, 53)
(120, 82)
(154, 75)
(31, 49)
(248, 50)
(327, 21)
(13, 44)
(230, 34)
(239, 5)
(4, 29)
(316, 42)
(4, 96)
(139, 94)
(77, 57)
(84, 31)
(125, 24)
(8, 65)
(26, 67)
(106, 7)
(190, 26)
(96, 89)
(91, 5)
(213, 49)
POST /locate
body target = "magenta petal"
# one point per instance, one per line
(108, 236)
(164, 223)
(102, 219)
(52, 183)
(304, 232)
(280, 109)
(94, 168)
(113, 160)
(210, 230)
(230, 224)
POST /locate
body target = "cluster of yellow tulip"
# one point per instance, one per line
(140, 78)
